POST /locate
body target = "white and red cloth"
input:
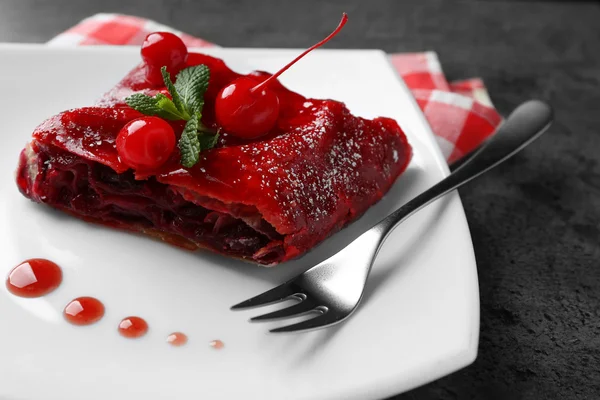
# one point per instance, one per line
(460, 113)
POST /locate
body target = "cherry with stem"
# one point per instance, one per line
(247, 108)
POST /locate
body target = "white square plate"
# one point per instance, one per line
(419, 319)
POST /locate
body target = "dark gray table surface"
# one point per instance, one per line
(534, 220)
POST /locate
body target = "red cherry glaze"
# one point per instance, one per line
(84, 311)
(34, 278)
(177, 339)
(244, 113)
(249, 110)
(163, 49)
(145, 143)
(133, 327)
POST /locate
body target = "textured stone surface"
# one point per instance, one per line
(534, 220)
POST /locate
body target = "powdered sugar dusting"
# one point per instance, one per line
(314, 170)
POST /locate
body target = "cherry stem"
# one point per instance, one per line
(321, 43)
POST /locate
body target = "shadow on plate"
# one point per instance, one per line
(382, 273)
(305, 350)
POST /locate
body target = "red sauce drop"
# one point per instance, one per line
(84, 311)
(177, 339)
(217, 344)
(133, 327)
(34, 278)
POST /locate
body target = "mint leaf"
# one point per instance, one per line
(174, 94)
(207, 141)
(191, 84)
(168, 110)
(189, 145)
(159, 105)
(143, 103)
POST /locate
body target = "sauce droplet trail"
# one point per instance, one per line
(177, 339)
(84, 311)
(133, 327)
(217, 344)
(35, 277)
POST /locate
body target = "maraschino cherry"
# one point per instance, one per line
(145, 143)
(163, 49)
(247, 108)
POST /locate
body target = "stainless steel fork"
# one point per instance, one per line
(333, 289)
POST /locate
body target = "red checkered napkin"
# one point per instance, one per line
(460, 114)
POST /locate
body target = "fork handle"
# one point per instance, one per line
(526, 123)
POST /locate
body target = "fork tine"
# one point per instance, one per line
(302, 308)
(275, 295)
(321, 321)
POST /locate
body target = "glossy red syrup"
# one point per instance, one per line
(133, 327)
(84, 311)
(34, 278)
(217, 344)
(177, 339)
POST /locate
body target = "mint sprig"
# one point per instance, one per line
(187, 101)
(208, 141)
(191, 84)
(150, 106)
(189, 145)
(174, 93)
(168, 108)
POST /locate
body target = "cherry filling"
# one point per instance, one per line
(96, 193)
